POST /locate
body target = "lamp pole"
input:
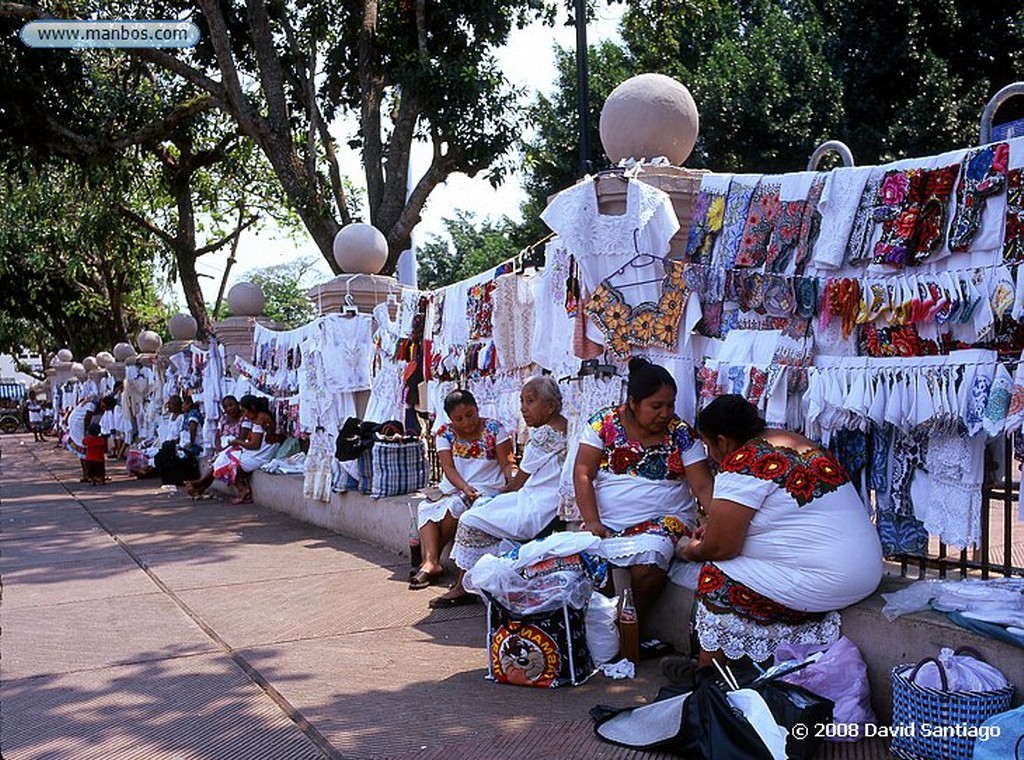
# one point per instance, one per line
(582, 95)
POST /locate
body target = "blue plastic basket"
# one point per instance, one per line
(938, 724)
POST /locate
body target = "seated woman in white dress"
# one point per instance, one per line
(476, 458)
(141, 457)
(529, 502)
(245, 455)
(637, 472)
(787, 543)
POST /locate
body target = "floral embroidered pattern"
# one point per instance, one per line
(720, 593)
(705, 225)
(761, 220)
(625, 456)
(643, 325)
(804, 476)
(669, 526)
(984, 174)
(484, 447)
(1013, 234)
(911, 205)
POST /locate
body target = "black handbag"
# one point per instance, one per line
(701, 725)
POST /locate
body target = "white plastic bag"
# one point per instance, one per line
(963, 673)
(602, 632)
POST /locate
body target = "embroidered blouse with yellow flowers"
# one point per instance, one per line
(637, 483)
(476, 460)
(649, 323)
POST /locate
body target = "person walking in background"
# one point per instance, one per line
(35, 417)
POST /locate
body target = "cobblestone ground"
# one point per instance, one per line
(138, 624)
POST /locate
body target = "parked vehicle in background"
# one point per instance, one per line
(12, 400)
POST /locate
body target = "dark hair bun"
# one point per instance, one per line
(646, 379)
(638, 364)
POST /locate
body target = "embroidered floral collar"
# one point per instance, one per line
(805, 476)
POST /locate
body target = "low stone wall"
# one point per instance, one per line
(385, 523)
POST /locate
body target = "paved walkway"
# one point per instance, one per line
(143, 625)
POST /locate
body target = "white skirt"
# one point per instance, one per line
(641, 549)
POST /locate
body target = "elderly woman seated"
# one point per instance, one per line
(787, 543)
(529, 501)
(636, 474)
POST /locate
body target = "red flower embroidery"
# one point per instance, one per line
(827, 470)
(622, 459)
(770, 466)
(800, 484)
(675, 463)
(710, 578)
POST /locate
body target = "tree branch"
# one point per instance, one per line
(401, 231)
(271, 74)
(234, 98)
(211, 247)
(146, 224)
(372, 86)
(398, 160)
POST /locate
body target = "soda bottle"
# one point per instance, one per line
(415, 550)
(629, 628)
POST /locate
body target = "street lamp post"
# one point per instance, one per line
(582, 95)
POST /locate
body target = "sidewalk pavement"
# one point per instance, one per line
(138, 624)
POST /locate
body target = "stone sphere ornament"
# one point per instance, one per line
(124, 351)
(78, 370)
(105, 359)
(360, 249)
(245, 299)
(90, 364)
(647, 116)
(65, 355)
(148, 342)
(182, 327)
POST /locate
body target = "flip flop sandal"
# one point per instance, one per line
(422, 580)
(445, 602)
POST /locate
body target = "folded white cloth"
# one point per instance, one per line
(619, 670)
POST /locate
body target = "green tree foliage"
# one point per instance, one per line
(284, 291)
(474, 247)
(917, 74)
(73, 270)
(401, 70)
(772, 80)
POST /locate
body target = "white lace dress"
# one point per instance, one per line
(519, 515)
(604, 243)
(387, 392)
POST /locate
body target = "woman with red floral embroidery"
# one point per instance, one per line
(787, 543)
(476, 460)
(636, 474)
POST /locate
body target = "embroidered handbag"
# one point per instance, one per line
(939, 724)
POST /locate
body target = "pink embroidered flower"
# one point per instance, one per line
(894, 188)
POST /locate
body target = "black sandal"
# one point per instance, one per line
(424, 579)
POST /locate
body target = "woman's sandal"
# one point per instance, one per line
(445, 602)
(424, 579)
(242, 500)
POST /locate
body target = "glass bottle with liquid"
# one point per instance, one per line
(629, 627)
